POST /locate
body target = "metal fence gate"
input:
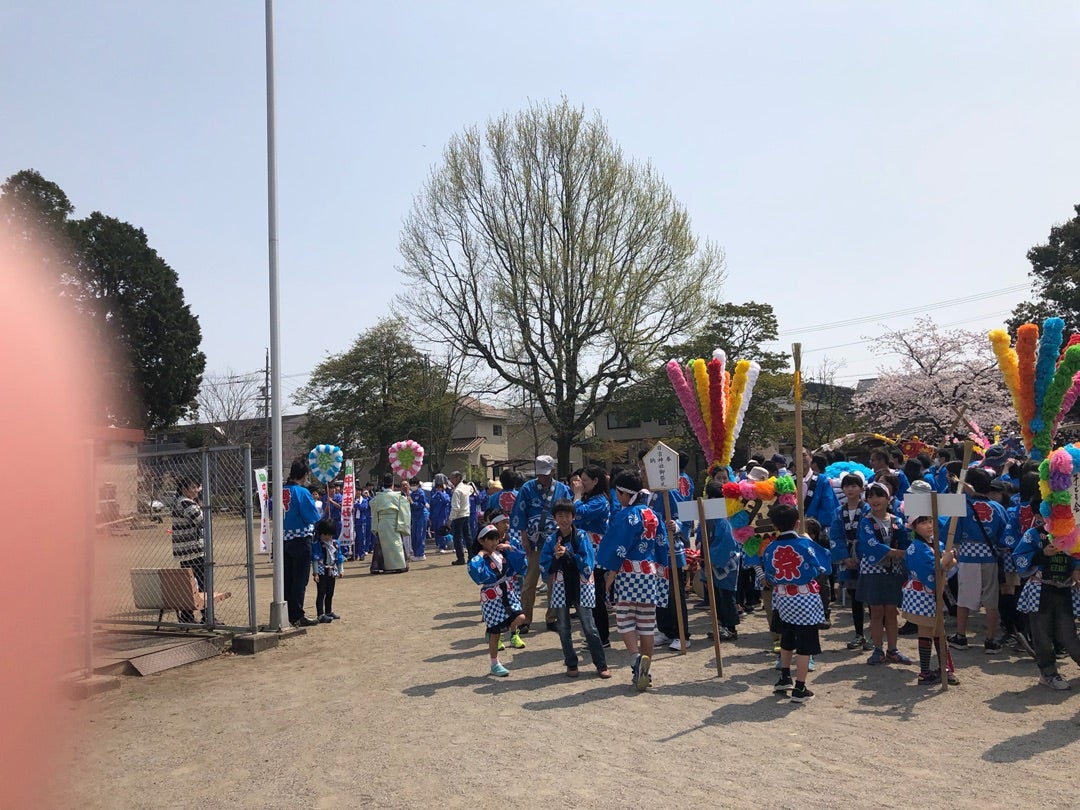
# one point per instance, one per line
(136, 576)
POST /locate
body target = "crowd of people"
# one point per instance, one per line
(603, 549)
(600, 544)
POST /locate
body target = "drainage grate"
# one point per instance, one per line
(174, 657)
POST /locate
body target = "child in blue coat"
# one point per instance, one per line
(327, 566)
(493, 569)
(919, 598)
(632, 552)
(567, 561)
(792, 563)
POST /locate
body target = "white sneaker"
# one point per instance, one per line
(1055, 682)
(444, 551)
(676, 644)
(660, 638)
(541, 588)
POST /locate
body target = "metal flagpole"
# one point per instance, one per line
(277, 606)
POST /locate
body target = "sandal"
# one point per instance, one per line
(604, 673)
(572, 672)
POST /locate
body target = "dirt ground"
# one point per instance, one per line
(392, 707)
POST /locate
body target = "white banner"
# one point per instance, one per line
(348, 498)
(261, 483)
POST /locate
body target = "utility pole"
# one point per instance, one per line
(266, 406)
(278, 616)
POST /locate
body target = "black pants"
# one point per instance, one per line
(1054, 622)
(600, 614)
(726, 614)
(747, 593)
(667, 622)
(196, 566)
(296, 561)
(324, 595)
(459, 528)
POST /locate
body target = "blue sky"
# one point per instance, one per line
(853, 159)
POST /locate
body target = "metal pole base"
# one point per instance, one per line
(279, 616)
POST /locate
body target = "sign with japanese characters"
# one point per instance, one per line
(661, 468)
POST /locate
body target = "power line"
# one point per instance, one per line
(912, 310)
(871, 340)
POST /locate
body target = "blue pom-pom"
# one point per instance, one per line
(1074, 454)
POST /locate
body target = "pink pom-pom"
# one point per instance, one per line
(1066, 542)
(1061, 462)
(743, 533)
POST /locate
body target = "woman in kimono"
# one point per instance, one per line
(391, 516)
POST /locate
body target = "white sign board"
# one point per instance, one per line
(714, 508)
(661, 468)
(917, 504)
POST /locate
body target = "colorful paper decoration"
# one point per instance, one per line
(325, 461)
(406, 458)
(715, 402)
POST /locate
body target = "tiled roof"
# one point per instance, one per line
(482, 408)
(468, 445)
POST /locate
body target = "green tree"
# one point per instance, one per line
(538, 248)
(1055, 275)
(130, 297)
(381, 390)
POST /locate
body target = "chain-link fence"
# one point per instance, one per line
(174, 528)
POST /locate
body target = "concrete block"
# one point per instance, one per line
(251, 643)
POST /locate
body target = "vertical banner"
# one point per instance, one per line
(348, 498)
(261, 483)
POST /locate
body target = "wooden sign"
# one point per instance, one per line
(661, 468)
(917, 504)
(714, 508)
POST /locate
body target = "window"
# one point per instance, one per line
(616, 421)
(496, 430)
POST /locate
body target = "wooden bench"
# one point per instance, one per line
(164, 589)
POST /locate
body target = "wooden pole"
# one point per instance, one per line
(940, 584)
(673, 573)
(796, 356)
(969, 447)
(712, 586)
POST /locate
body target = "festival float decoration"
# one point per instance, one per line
(406, 458)
(715, 400)
(325, 462)
(852, 438)
(748, 503)
(1043, 380)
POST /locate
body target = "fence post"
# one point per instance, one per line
(249, 478)
(89, 541)
(208, 539)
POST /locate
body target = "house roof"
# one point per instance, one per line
(467, 445)
(482, 408)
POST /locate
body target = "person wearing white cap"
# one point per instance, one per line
(532, 521)
(493, 568)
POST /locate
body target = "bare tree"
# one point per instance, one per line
(827, 409)
(230, 401)
(539, 248)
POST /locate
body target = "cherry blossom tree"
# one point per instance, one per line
(940, 373)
